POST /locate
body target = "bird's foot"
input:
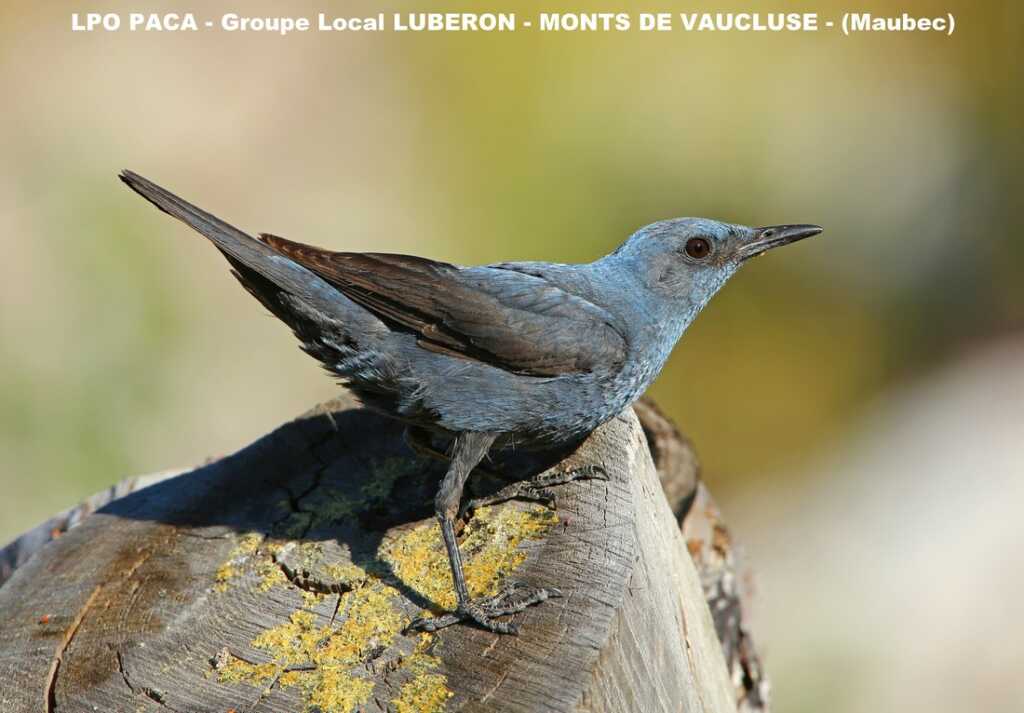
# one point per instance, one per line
(535, 488)
(512, 599)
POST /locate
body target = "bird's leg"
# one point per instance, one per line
(470, 448)
(536, 487)
(418, 440)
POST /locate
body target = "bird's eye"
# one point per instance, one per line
(698, 248)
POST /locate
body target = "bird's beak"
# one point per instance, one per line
(775, 235)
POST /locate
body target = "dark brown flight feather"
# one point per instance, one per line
(539, 331)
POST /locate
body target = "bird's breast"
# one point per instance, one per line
(650, 348)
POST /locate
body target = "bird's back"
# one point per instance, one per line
(541, 351)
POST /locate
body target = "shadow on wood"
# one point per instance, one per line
(281, 579)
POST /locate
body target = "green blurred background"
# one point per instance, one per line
(127, 348)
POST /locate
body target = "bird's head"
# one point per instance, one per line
(691, 258)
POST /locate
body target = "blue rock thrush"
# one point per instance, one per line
(527, 353)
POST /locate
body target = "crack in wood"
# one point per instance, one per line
(124, 673)
(221, 659)
(305, 580)
(201, 536)
(265, 692)
(689, 658)
(295, 501)
(597, 661)
(50, 694)
(69, 634)
(495, 687)
(151, 693)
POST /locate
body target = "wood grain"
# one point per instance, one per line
(279, 579)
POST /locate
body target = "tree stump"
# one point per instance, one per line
(282, 578)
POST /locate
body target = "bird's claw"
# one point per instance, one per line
(585, 472)
(514, 598)
(534, 489)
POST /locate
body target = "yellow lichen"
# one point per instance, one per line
(331, 689)
(296, 524)
(223, 576)
(311, 550)
(326, 661)
(287, 643)
(345, 573)
(419, 661)
(270, 574)
(331, 653)
(338, 691)
(245, 548)
(235, 670)
(385, 472)
(370, 621)
(490, 546)
(330, 505)
(247, 545)
(291, 678)
(426, 693)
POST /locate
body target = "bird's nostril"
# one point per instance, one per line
(768, 234)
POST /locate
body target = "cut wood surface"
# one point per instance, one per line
(281, 579)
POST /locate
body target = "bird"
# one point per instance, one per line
(523, 354)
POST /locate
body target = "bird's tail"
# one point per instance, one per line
(249, 255)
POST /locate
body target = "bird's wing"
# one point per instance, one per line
(517, 322)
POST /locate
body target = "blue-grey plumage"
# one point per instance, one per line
(528, 353)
